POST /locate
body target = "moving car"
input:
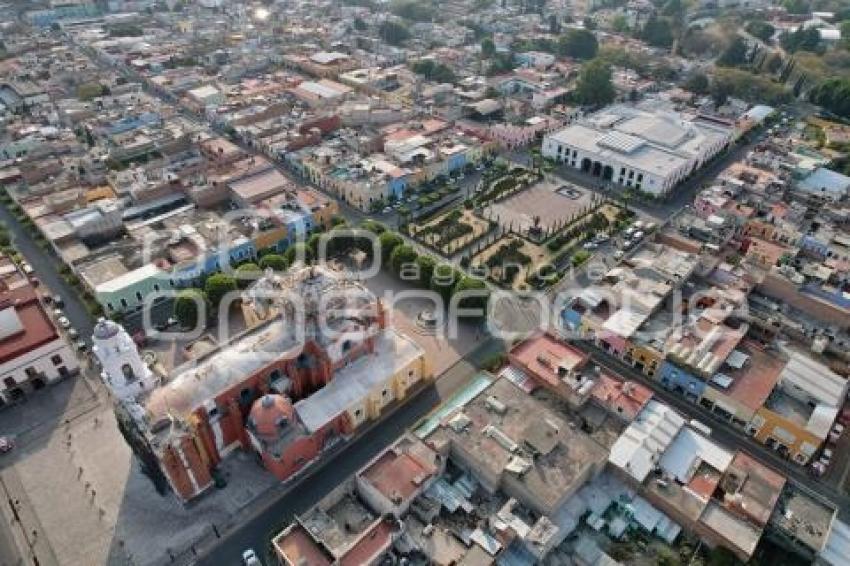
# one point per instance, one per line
(249, 558)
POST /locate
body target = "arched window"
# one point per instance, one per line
(129, 374)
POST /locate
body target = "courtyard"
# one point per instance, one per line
(548, 205)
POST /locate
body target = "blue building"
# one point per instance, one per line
(681, 381)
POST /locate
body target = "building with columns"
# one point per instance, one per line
(318, 364)
(650, 148)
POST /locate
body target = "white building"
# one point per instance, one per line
(649, 148)
(32, 352)
(124, 371)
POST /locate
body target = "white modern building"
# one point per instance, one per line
(647, 147)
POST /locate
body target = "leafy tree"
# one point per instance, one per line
(735, 55)
(413, 10)
(217, 286)
(749, 86)
(802, 39)
(722, 556)
(402, 255)
(657, 32)
(772, 63)
(389, 241)
(760, 29)
(834, 95)
(373, 226)
(501, 63)
(619, 23)
(797, 6)
(426, 265)
(579, 44)
(434, 71)
(488, 48)
(296, 251)
(248, 273)
(273, 261)
(595, 87)
(186, 307)
(393, 33)
(697, 83)
(476, 302)
(87, 91)
(443, 281)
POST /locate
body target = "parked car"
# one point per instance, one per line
(249, 558)
(387, 210)
(818, 468)
(64, 322)
(836, 432)
(638, 235)
(73, 334)
(590, 245)
(601, 238)
(81, 346)
(619, 254)
(57, 300)
(27, 269)
(6, 444)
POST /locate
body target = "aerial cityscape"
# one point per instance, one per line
(424, 282)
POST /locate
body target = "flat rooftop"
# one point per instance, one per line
(544, 356)
(752, 383)
(401, 469)
(504, 431)
(24, 325)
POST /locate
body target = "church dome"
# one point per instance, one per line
(270, 415)
(106, 329)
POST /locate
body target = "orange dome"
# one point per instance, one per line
(270, 415)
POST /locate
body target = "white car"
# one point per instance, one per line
(619, 254)
(64, 322)
(590, 246)
(836, 432)
(388, 209)
(249, 558)
(638, 235)
(601, 239)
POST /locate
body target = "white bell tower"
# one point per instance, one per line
(124, 372)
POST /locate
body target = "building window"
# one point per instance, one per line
(124, 303)
(384, 393)
(156, 287)
(358, 413)
(139, 296)
(57, 360)
(109, 307)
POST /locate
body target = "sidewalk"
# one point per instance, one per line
(26, 529)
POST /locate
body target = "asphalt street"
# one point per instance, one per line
(45, 265)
